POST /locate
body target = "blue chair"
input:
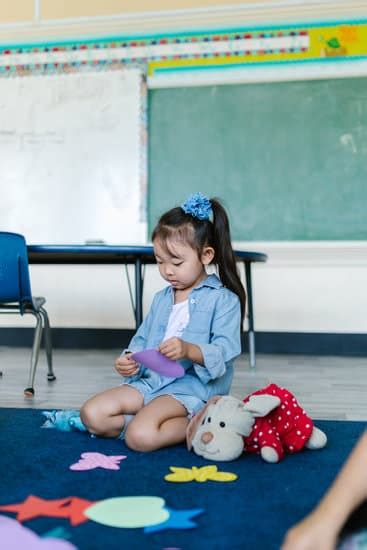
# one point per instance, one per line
(16, 297)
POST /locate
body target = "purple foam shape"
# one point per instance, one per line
(158, 362)
(17, 537)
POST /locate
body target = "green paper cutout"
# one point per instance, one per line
(333, 42)
(128, 512)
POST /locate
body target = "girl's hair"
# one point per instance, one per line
(179, 226)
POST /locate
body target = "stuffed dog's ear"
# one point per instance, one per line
(196, 421)
(261, 405)
(242, 422)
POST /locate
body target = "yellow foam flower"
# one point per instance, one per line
(205, 473)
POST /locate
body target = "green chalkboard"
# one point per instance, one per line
(289, 159)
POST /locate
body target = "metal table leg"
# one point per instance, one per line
(138, 293)
(251, 331)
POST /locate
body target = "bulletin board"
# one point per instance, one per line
(72, 153)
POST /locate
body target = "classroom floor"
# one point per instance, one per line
(327, 387)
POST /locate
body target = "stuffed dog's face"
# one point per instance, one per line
(219, 436)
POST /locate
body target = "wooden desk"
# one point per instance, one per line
(137, 256)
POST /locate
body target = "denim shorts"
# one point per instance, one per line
(192, 403)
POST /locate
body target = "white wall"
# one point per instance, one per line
(304, 287)
(312, 287)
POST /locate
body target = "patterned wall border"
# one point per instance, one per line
(143, 160)
(172, 52)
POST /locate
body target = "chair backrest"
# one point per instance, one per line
(15, 283)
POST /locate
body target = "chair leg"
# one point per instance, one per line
(29, 391)
(48, 344)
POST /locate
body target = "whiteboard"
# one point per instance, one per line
(71, 157)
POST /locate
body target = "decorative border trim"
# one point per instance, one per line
(143, 159)
(167, 49)
(200, 50)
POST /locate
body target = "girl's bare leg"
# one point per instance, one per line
(161, 423)
(103, 414)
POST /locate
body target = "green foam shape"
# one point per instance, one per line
(128, 512)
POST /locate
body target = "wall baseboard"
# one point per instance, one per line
(70, 338)
(266, 342)
(310, 343)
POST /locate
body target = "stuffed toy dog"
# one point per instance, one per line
(269, 422)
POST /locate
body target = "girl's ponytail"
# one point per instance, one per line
(191, 223)
(224, 255)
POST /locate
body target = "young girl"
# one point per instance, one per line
(196, 320)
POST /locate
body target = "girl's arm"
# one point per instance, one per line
(225, 339)
(210, 359)
(320, 529)
(138, 341)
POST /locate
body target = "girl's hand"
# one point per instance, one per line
(174, 348)
(126, 366)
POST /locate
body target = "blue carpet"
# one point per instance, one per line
(253, 512)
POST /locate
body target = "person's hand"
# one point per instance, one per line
(313, 533)
(126, 366)
(174, 348)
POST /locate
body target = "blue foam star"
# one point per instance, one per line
(178, 519)
(57, 533)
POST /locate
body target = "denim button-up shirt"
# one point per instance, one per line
(214, 326)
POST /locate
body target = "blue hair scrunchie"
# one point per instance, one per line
(198, 206)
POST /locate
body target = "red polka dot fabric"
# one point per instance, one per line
(287, 428)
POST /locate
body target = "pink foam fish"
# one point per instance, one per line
(90, 461)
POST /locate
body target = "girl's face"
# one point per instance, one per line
(180, 265)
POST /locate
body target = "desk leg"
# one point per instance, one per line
(251, 331)
(138, 293)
